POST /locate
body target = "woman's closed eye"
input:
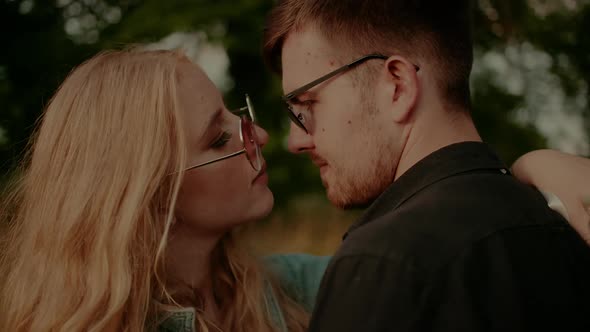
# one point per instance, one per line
(222, 140)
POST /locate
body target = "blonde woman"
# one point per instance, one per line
(122, 219)
(123, 215)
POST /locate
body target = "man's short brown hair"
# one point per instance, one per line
(434, 31)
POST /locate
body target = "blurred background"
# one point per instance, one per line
(530, 83)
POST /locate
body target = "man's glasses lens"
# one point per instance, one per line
(293, 117)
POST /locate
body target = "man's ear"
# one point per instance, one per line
(402, 87)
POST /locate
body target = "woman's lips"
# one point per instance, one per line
(262, 175)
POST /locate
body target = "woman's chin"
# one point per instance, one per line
(259, 207)
(262, 205)
(265, 203)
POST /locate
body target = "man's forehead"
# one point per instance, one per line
(305, 56)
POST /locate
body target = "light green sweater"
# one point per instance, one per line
(299, 275)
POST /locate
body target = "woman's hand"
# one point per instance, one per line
(565, 175)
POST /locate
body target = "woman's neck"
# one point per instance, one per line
(189, 266)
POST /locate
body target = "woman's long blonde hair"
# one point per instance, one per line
(90, 214)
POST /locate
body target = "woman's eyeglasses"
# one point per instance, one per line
(247, 130)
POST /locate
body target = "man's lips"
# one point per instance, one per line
(319, 162)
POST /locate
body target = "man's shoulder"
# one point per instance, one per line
(444, 219)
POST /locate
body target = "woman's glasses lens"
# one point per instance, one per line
(251, 143)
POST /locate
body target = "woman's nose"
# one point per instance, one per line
(262, 135)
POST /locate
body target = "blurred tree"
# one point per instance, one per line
(42, 41)
(37, 54)
(559, 29)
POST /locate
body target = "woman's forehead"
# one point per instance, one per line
(199, 99)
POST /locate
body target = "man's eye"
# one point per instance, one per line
(222, 140)
(301, 117)
(305, 106)
(307, 103)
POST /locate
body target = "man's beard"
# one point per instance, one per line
(357, 184)
(358, 187)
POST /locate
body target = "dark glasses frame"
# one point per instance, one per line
(297, 118)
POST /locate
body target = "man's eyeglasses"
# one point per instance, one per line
(247, 136)
(298, 116)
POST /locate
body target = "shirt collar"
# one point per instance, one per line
(443, 163)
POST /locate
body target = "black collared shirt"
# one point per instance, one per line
(457, 244)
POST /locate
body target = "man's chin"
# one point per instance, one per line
(346, 200)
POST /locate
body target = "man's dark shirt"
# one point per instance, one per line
(457, 244)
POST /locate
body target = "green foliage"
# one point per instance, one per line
(38, 53)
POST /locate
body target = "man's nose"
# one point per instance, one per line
(299, 141)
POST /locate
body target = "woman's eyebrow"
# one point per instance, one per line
(213, 121)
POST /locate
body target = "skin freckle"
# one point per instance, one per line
(349, 122)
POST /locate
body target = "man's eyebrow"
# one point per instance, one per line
(296, 100)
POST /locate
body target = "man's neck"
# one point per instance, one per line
(441, 128)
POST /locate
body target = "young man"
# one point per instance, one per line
(378, 92)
